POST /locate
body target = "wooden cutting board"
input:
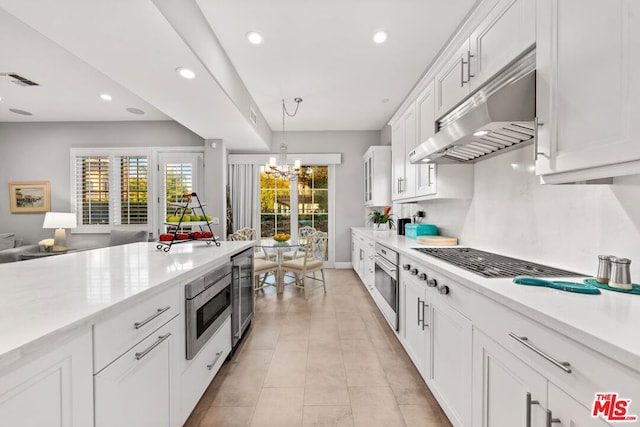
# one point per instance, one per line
(437, 240)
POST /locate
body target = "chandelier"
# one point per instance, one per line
(282, 169)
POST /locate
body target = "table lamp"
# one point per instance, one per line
(59, 221)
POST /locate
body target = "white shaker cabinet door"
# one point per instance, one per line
(451, 361)
(55, 390)
(416, 322)
(565, 411)
(452, 81)
(138, 388)
(506, 391)
(588, 90)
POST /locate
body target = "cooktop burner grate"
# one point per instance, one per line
(493, 265)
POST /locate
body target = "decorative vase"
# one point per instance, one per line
(382, 226)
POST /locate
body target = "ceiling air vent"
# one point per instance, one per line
(19, 80)
(253, 116)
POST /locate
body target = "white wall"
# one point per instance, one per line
(40, 152)
(349, 175)
(561, 225)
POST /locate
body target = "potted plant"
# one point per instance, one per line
(383, 219)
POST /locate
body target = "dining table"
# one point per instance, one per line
(276, 251)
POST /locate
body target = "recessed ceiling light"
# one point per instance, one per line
(133, 110)
(481, 133)
(426, 160)
(0, 99)
(254, 37)
(186, 73)
(21, 112)
(380, 37)
(105, 97)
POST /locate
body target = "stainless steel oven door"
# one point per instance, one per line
(205, 313)
(387, 297)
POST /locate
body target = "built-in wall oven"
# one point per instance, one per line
(208, 305)
(386, 293)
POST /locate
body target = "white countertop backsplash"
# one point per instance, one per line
(567, 225)
(45, 298)
(607, 323)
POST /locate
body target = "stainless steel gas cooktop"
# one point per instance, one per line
(488, 264)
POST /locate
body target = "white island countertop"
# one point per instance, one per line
(47, 298)
(607, 323)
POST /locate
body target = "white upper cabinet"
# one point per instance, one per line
(377, 176)
(503, 35)
(508, 31)
(404, 139)
(588, 90)
(426, 114)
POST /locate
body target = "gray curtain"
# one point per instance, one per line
(244, 186)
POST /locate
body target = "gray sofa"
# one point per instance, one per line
(11, 249)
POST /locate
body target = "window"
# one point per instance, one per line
(111, 188)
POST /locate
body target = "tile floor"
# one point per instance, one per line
(327, 361)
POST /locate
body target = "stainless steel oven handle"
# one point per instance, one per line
(389, 268)
(161, 338)
(139, 325)
(565, 366)
(212, 364)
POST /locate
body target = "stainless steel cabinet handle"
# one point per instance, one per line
(529, 404)
(565, 366)
(469, 56)
(462, 80)
(399, 190)
(550, 419)
(212, 364)
(424, 324)
(420, 320)
(161, 338)
(139, 325)
(536, 124)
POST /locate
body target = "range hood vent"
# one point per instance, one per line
(19, 80)
(497, 117)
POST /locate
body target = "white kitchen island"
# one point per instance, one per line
(58, 312)
(489, 340)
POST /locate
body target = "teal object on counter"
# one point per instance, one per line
(412, 231)
(635, 287)
(579, 288)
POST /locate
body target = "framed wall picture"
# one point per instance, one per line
(30, 197)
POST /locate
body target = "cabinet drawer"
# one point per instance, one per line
(591, 372)
(201, 370)
(114, 336)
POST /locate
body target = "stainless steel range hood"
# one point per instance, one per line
(497, 117)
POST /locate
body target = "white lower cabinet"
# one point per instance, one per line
(137, 389)
(451, 343)
(363, 253)
(566, 411)
(505, 389)
(415, 334)
(55, 390)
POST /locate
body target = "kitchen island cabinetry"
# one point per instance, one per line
(54, 390)
(587, 116)
(138, 388)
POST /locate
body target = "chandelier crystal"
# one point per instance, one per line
(280, 167)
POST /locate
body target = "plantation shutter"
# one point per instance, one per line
(92, 189)
(178, 181)
(132, 205)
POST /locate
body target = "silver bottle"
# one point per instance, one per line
(620, 274)
(604, 269)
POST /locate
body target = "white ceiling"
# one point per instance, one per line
(318, 50)
(322, 51)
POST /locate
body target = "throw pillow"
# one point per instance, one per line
(7, 241)
(122, 237)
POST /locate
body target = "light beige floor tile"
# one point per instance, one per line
(326, 396)
(377, 416)
(413, 396)
(227, 416)
(327, 416)
(422, 416)
(279, 407)
(286, 346)
(372, 396)
(287, 369)
(326, 368)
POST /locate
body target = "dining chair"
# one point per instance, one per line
(263, 267)
(312, 261)
(303, 233)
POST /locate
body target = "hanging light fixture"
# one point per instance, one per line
(280, 168)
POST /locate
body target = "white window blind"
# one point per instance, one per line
(111, 190)
(178, 181)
